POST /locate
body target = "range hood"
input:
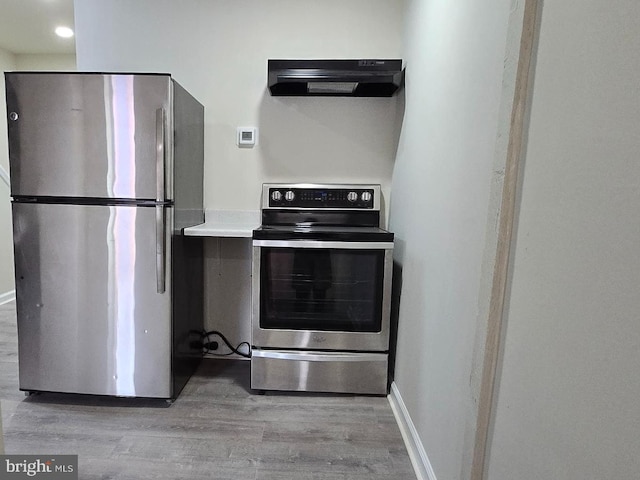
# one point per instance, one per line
(342, 78)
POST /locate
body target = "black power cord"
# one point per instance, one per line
(210, 346)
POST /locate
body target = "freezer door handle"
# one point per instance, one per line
(160, 154)
(160, 249)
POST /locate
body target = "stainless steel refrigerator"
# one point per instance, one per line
(106, 172)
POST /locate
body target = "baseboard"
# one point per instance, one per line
(4, 175)
(7, 297)
(419, 459)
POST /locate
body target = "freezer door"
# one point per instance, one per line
(90, 318)
(89, 135)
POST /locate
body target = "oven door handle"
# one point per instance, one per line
(323, 244)
(320, 356)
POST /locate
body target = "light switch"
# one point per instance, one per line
(247, 137)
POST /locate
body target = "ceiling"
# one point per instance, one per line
(26, 26)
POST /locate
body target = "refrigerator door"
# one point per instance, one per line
(89, 135)
(90, 318)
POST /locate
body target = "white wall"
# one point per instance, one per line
(439, 210)
(45, 62)
(568, 402)
(219, 51)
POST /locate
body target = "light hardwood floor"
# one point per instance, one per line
(217, 429)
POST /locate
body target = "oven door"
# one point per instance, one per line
(321, 295)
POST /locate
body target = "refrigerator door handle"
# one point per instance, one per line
(160, 197)
(160, 154)
(160, 249)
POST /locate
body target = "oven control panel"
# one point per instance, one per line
(322, 196)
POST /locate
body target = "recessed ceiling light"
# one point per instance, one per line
(64, 32)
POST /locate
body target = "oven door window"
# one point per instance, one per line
(321, 289)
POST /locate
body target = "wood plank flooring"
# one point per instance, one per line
(217, 429)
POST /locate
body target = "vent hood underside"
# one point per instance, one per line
(342, 78)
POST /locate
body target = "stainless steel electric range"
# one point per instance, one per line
(321, 290)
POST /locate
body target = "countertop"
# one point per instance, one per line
(226, 223)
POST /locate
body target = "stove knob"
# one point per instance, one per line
(276, 196)
(366, 197)
(352, 196)
(289, 196)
